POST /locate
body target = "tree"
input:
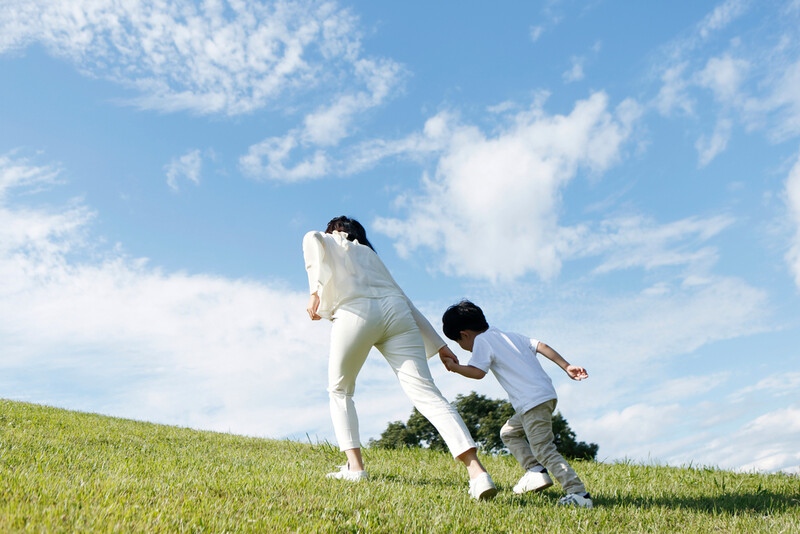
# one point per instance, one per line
(566, 443)
(483, 417)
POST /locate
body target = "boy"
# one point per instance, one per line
(512, 359)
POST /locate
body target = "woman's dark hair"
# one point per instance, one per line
(351, 227)
(463, 316)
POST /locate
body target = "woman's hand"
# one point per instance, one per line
(447, 357)
(313, 306)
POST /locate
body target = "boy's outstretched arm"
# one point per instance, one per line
(575, 372)
(465, 370)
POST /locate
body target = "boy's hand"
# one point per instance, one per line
(447, 357)
(576, 373)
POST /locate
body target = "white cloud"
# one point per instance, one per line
(228, 57)
(752, 82)
(673, 93)
(269, 159)
(575, 72)
(682, 434)
(766, 443)
(217, 56)
(625, 431)
(103, 332)
(783, 102)
(722, 16)
(536, 32)
(186, 167)
(687, 387)
(273, 159)
(635, 241)
(638, 331)
(793, 205)
(504, 191)
(724, 76)
(777, 385)
(710, 148)
(681, 53)
(276, 151)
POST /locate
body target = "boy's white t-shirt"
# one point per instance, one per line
(512, 359)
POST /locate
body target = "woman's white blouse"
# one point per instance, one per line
(340, 270)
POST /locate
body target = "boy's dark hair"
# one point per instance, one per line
(463, 316)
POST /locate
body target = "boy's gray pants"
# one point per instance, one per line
(529, 437)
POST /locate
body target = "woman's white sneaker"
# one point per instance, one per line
(344, 473)
(533, 481)
(482, 488)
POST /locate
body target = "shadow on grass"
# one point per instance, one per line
(416, 480)
(760, 503)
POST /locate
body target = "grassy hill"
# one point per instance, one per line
(68, 471)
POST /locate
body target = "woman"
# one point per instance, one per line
(350, 286)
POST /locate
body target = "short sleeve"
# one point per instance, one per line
(319, 272)
(534, 343)
(482, 356)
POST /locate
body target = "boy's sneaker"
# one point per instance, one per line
(576, 499)
(482, 488)
(533, 481)
(344, 473)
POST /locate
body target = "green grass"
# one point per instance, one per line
(64, 471)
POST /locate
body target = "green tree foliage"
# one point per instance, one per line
(484, 417)
(566, 443)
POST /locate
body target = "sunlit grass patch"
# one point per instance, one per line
(67, 471)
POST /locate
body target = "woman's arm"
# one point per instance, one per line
(313, 306)
(433, 342)
(319, 272)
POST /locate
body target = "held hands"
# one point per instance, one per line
(313, 306)
(576, 373)
(448, 358)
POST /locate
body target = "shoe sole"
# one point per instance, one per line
(534, 490)
(487, 494)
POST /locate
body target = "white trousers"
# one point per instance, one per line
(387, 324)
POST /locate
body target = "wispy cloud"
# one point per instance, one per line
(217, 56)
(753, 80)
(777, 385)
(721, 16)
(229, 57)
(575, 72)
(793, 206)
(188, 166)
(673, 93)
(639, 242)
(724, 76)
(302, 153)
(709, 147)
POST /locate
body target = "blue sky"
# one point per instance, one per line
(618, 179)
